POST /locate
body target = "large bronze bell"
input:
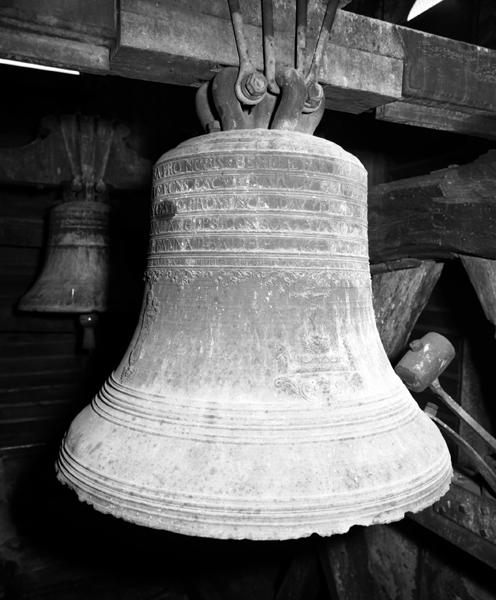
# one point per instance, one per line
(74, 278)
(256, 400)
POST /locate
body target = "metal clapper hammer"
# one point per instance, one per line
(419, 369)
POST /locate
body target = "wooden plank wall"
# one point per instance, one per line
(47, 537)
(40, 370)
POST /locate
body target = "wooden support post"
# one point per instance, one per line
(471, 398)
(302, 578)
(482, 274)
(344, 562)
(399, 298)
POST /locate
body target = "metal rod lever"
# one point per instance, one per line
(482, 467)
(462, 414)
(332, 7)
(315, 92)
(301, 35)
(269, 46)
(251, 86)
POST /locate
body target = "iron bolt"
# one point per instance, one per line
(315, 93)
(254, 84)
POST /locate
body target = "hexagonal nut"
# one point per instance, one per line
(255, 85)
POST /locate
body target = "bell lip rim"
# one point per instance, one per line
(58, 308)
(395, 514)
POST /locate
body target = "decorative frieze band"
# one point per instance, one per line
(323, 280)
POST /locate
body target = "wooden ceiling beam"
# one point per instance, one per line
(54, 51)
(442, 119)
(368, 64)
(176, 43)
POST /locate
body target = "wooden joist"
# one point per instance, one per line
(445, 213)
(73, 34)
(88, 21)
(448, 73)
(482, 274)
(155, 43)
(442, 119)
(368, 63)
(33, 47)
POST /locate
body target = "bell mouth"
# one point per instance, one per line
(267, 513)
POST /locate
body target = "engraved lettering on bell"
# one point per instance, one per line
(256, 400)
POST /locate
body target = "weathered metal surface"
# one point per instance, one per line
(444, 213)
(241, 99)
(255, 399)
(74, 278)
(424, 362)
(464, 518)
(251, 86)
(399, 298)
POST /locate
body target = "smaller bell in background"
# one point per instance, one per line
(74, 278)
(89, 156)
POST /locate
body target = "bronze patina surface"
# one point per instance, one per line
(255, 399)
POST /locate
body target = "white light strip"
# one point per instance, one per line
(420, 7)
(18, 63)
